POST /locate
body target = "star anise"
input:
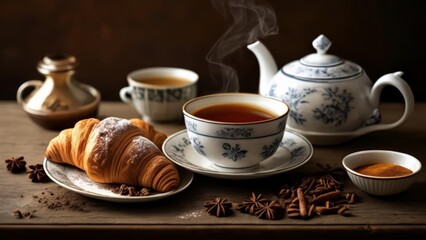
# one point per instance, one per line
(285, 192)
(19, 214)
(16, 165)
(252, 204)
(37, 173)
(271, 210)
(219, 207)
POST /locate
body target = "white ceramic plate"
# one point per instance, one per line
(294, 151)
(77, 180)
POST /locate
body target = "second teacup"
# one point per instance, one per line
(159, 93)
(235, 130)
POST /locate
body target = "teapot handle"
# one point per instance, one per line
(392, 79)
(29, 84)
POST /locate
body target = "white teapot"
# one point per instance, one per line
(332, 100)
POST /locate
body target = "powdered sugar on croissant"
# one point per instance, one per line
(114, 150)
(149, 132)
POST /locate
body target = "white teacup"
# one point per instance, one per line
(238, 140)
(159, 93)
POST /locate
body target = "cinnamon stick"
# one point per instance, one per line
(302, 203)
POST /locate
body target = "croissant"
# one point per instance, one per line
(114, 150)
(149, 132)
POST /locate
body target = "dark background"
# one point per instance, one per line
(111, 38)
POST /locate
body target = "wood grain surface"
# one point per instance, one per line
(183, 215)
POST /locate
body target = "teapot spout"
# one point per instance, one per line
(267, 65)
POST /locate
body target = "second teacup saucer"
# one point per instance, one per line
(294, 151)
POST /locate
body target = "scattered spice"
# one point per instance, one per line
(270, 210)
(316, 195)
(19, 214)
(302, 203)
(252, 204)
(37, 173)
(220, 207)
(16, 165)
(60, 200)
(383, 170)
(124, 189)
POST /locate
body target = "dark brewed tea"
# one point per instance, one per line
(235, 113)
(164, 81)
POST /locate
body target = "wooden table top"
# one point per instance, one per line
(183, 215)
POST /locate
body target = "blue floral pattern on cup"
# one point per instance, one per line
(282, 124)
(191, 126)
(235, 132)
(174, 95)
(139, 93)
(270, 150)
(198, 146)
(155, 95)
(234, 153)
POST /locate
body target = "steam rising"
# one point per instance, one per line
(248, 23)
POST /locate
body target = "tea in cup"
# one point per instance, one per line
(159, 93)
(235, 130)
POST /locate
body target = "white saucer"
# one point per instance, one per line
(294, 151)
(76, 180)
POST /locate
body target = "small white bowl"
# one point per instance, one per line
(381, 186)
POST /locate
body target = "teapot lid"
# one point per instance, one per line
(320, 65)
